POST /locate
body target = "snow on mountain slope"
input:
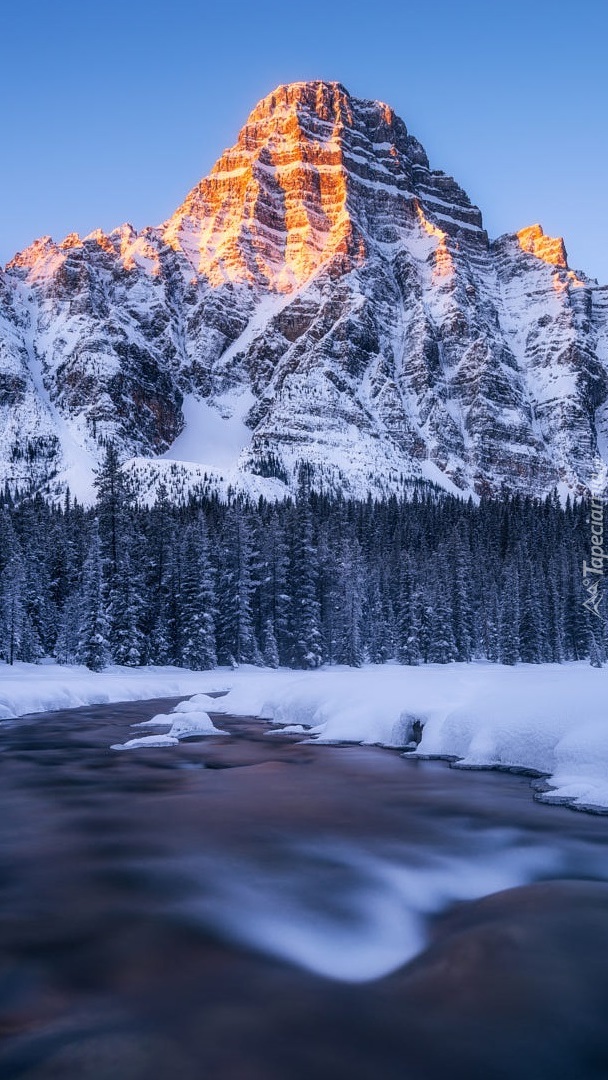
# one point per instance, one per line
(212, 436)
(322, 297)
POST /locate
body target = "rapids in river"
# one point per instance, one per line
(252, 906)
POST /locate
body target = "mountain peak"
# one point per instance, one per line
(322, 297)
(327, 101)
(551, 249)
(318, 94)
(315, 178)
(32, 253)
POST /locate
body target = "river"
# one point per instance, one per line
(252, 907)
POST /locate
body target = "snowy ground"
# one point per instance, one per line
(33, 688)
(550, 718)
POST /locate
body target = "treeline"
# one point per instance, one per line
(299, 583)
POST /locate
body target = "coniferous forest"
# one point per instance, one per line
(303, 582)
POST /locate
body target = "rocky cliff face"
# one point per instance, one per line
(322, 297)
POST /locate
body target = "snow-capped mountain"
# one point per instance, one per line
(323, 296)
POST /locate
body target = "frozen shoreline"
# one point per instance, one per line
(37, 688)
(549, 719)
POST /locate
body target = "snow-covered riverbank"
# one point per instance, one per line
(551, 718)
(34, 688)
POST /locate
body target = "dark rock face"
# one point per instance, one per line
(327, 279)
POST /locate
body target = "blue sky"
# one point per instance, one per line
(111, 112)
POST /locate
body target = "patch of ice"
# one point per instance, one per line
(145, 740)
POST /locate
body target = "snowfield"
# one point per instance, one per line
(550, 718)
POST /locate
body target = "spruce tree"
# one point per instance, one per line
(125, 611)
(13, 614)
(236, 636)
(270, 650)
(197, 601)
(509, 619)
(306, 650)
(442, 644)
(93, 646)
(408, 616)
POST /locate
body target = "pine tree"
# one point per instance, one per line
(158, 528)
(13, 615)
(553, 623)
(197, 601)
(125, 610)
(509, 619)
(68, 636)
(236, 635)
(597, 650)
(305, 622)
(379, 641)
(93, 646)
(408, 617)
(350, 591)
(462, 608)
(113, 499)
(273, 589)
(489, 631)
(531, 624)
(442, 645)
(270, 650)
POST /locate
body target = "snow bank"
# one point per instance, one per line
(33, 688)
(550, 718)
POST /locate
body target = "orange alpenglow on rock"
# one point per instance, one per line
(550, 249)
(102, 241)
(315, 182)
(563, 282)
(443, 264)
(36, 252)
(274, 207)
(72, 240)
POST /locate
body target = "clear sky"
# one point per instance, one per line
(111, 111)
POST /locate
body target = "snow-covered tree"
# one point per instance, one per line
(306, 650)
(93, 646)
(197, 601)
(236, 588)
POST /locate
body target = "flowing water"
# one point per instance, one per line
(251, 907)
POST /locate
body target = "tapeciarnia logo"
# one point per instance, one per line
(593, 571)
